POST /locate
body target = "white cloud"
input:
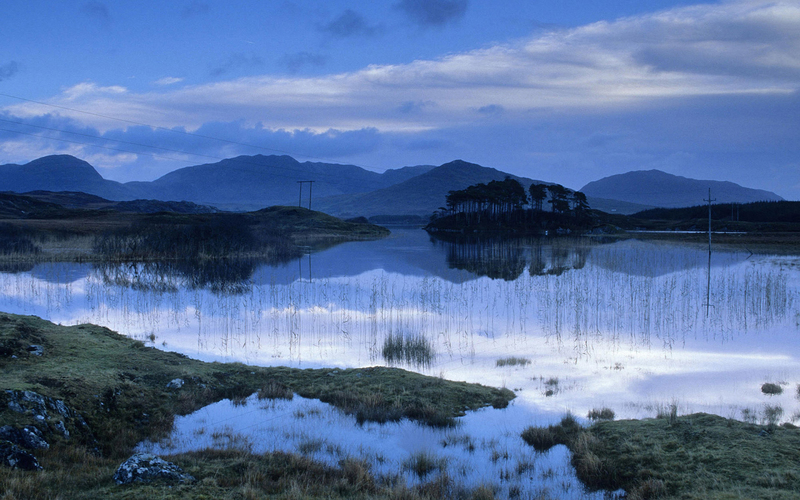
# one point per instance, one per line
(168, 80)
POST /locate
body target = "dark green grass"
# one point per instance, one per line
(696, 456)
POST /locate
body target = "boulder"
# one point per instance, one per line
(15, 457)
(28, 437)
(176, 383)
(146, 468)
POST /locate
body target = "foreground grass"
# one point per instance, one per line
(696, 456)
(119, 386)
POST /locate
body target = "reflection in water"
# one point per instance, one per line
(621, 325)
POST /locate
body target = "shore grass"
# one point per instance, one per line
(698, 456)
(120, 388)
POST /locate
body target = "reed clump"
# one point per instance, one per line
(512, 361)
(771, 388)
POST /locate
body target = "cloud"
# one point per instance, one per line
(194, 9)
(491, 109)
(433, 12)
(8, 70)
(348, 24)
(97, 11)
(168, 80)
(718, 82)
(415, 106)
(235, 62)
(295, 62)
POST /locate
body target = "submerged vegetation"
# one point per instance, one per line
(126, 392)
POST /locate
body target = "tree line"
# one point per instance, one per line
(507, 202)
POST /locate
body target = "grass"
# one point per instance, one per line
(412, 349)
(696, 456)
(512, 361)
(119, 386)
(601, 414)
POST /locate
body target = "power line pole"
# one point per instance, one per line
(310, 185)
(709, 200)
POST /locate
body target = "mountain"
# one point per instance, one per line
(655, 188)
(59, 173)
(253, 182)
(420, 195)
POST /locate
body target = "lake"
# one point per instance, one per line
(567, 324)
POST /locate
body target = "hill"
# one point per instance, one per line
(420, 195)
(59, 173)
(254, 182)
(655, 188)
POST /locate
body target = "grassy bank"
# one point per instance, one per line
(272, 234)
(121, 389)
(696, 456)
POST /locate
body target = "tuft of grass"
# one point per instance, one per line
(423, 463)
(601, 414)
(771, 389)
(512, 361)
(544, 438)
(275, 390)
(411, 349)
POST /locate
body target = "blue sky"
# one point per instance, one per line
(566, 91)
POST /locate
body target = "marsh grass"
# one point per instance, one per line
(423, 463)
(601, 414)
(275, 390)
(512, 361)
(696, 456)
(411, 349)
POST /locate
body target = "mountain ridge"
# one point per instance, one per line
(673, 191)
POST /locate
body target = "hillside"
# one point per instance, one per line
(655, 188)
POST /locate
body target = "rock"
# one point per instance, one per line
(51, 416)
(36, 350)
(146, 468)
(15, 457)
(27, 437)
(175, 383)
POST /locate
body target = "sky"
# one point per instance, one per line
(566, 91)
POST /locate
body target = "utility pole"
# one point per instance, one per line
(310, 185)
(708, 273)
(709, 200)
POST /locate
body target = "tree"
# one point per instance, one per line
(538, 194)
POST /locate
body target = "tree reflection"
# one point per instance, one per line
(507, 258)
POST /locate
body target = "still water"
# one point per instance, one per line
(634, 326)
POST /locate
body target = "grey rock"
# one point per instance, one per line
(15, 457)
(36, 350)
(146, 468)
(175, 383)
(28, 437)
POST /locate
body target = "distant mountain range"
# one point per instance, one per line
(654, 188)
(255, 182)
